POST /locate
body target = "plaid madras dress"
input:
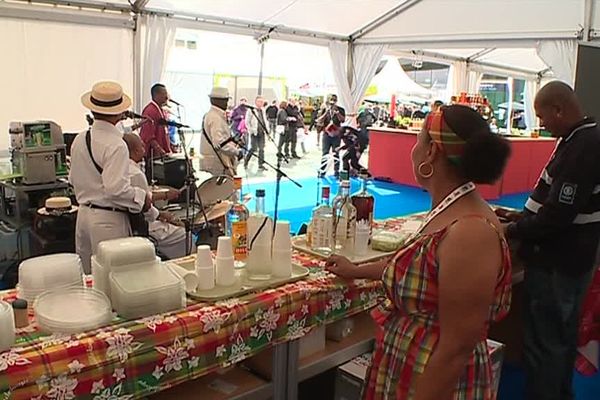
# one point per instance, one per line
(409, 327)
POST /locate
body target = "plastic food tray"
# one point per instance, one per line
(243, 285)
(299, 243)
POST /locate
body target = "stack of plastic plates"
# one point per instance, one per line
(51, 272)
(144, 291)
(72, 310)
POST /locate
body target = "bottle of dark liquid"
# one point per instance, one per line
(364, 201)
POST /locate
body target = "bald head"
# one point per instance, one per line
(135, 146)
(558, 108)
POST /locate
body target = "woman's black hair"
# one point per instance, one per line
(485, 153)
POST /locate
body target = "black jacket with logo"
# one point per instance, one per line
(560, 228)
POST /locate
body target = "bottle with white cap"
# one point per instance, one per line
(260, 233)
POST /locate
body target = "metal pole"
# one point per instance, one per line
(260, 73)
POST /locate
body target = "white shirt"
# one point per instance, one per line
(112, 188)
(252, 122)
(216, 127)
(138, 179)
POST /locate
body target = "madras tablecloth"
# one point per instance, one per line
(131, 359)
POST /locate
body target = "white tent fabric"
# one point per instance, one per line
(155, 39)
(561, 56)
(47, 66)
(392, 80)
(366, 60)
(530, 91)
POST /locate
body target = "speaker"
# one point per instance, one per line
(587, 79)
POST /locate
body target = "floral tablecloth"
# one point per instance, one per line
(132, 359)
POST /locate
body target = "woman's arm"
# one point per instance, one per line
(341, 266)
(469, 259)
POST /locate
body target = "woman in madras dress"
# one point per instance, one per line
(451, 280)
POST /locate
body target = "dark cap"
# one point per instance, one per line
(260, 192)
(19, 304)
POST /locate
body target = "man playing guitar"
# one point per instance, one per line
(330, 122)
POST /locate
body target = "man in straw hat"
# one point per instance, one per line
(99, 173)
(219, 152)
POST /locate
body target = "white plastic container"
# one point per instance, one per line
(190, 278)
(7, 326)
(55, 271)
(125, 252)
(73, 310)
(156, 289)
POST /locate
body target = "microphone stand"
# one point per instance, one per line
(280, 174)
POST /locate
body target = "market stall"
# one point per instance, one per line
(390, 149)
(130, 359)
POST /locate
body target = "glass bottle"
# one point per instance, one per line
(260, 235)
(344, 219)
(322, 225)
(364, 202)
(237, 225)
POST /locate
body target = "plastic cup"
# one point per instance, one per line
(282, 239)
(189, 277)
(7, 326)
(361, 242)
(224, 249)
(282, 263)
(258, 263)
(206, 277)
(204, 257)
(225, 271)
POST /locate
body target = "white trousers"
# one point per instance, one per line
(170, 239)
(94, 226)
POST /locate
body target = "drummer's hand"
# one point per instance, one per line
(341, 266)
(173, 194)
(147, 202)
(166, 216)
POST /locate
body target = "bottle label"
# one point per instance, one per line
(321, 233)
(239, 240)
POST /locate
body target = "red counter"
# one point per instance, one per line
(389, 156)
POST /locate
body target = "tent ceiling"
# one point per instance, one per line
(339, 17)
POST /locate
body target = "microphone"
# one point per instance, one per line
(174, 102)
(163, 121)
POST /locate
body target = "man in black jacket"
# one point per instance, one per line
(330, 122)
(272, 117)
(559, 231)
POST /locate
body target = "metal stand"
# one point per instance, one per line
(277, 169)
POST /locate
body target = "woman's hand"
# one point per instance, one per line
(341, 266)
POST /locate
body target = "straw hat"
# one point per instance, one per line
(219, 93)
(106, 98)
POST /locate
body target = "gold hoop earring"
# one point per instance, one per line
(427, 175)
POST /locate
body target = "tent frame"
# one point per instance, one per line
(105, 13)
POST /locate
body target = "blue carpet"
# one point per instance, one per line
(391, 200)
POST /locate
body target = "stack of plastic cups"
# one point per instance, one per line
(282, 250)
(205, 269)
(361, 238)
(258, 263)
(225, 270)
(7, 326)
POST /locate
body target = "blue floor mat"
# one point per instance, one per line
(391, 200)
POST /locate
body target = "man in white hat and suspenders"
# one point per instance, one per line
(219, 152)
(99, 173)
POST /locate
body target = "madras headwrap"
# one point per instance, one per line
(439, 131)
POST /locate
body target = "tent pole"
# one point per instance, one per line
(588, 16)
(260, 73)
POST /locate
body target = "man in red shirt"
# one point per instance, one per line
(155, 135)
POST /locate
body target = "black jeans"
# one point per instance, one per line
(330, 143)
(551, 320)
(272, 125)
(351, 159)
(284, 142)
(257, 146)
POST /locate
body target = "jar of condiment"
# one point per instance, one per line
(21, 313)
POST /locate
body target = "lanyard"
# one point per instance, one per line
(456, 194)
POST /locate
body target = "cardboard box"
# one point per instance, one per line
(350, 378)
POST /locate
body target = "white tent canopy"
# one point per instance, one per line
(527, 38)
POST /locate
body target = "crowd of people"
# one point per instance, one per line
(453, 277)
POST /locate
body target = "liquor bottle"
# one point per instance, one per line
(364, 201)
(344, 219)
(260, 235)
(321, 225)
(237, 226)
